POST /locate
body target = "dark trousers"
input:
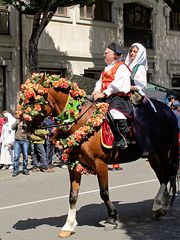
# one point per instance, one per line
(50, 150)
(39, 156)
(121, 103)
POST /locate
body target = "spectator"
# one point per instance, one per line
(7, 141)
(21, 145)
(171, 99)
(49, 146)
(2, 121)
(40, 162)
(176, 109)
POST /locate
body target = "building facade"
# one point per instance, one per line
(74, 41)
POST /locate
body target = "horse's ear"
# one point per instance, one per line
(42, 78)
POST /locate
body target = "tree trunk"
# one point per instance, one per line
(33, 55)
(40, 21)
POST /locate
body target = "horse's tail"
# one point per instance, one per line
(174, 170)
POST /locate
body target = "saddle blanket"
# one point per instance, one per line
(107, 136)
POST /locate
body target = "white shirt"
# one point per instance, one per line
(121, 82)
(140, 79)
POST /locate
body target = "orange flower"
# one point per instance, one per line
(37, 107)
(64, 157)
(70, 142)
(79, 168)
(27, 117)
(29, 94)
(28, 109)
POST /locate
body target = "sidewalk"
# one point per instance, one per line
(6, 174)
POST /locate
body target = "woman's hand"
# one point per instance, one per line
(97, 95)
(134, 88)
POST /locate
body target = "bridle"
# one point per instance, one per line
(52, 104)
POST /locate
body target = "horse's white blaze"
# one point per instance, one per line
(71, 222)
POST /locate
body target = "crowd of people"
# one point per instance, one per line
(122, 82)
(36, 148)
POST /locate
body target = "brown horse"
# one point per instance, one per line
(164, 160)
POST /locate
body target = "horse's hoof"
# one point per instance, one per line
(159, 213)
(64, 234)
(112, 226)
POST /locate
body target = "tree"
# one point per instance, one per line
(42, 12)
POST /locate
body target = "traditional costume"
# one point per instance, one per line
(139, 68)
(114, 82)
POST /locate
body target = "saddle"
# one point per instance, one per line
(107, 129)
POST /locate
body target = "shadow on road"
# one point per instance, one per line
(136, 220)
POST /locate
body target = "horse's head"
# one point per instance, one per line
(42, 95)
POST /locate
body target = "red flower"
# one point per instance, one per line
(37, 107)
(27, 117)
(79, 168)
(64, 157)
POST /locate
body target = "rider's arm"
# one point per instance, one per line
(121, 82)
(98, 86)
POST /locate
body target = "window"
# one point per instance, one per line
(62, 11)
(137, 25)
(175, 81)
(4, 21)
(175, 21)
(101, 11)
(87, 12)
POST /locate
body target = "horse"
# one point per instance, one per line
(90, 152)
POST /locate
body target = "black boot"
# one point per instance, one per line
(121, 134)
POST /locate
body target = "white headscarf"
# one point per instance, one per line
(11, 119)
(141, 57)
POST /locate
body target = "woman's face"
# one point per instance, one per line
(133, 52)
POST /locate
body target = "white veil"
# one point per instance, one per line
(141, 57)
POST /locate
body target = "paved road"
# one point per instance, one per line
(35, 207)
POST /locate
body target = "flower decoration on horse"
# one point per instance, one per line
(33, 95)
(32, 98)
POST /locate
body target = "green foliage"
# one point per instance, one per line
(2, 2)
(31, 7)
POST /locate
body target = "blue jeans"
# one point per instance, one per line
(21, 146)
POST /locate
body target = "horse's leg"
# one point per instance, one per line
(71, 223)
(160, 164)
(102, 174)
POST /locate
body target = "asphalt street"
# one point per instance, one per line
(35, 207)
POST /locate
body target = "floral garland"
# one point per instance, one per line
(34, 92)
(33, 99)
(81, 135)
